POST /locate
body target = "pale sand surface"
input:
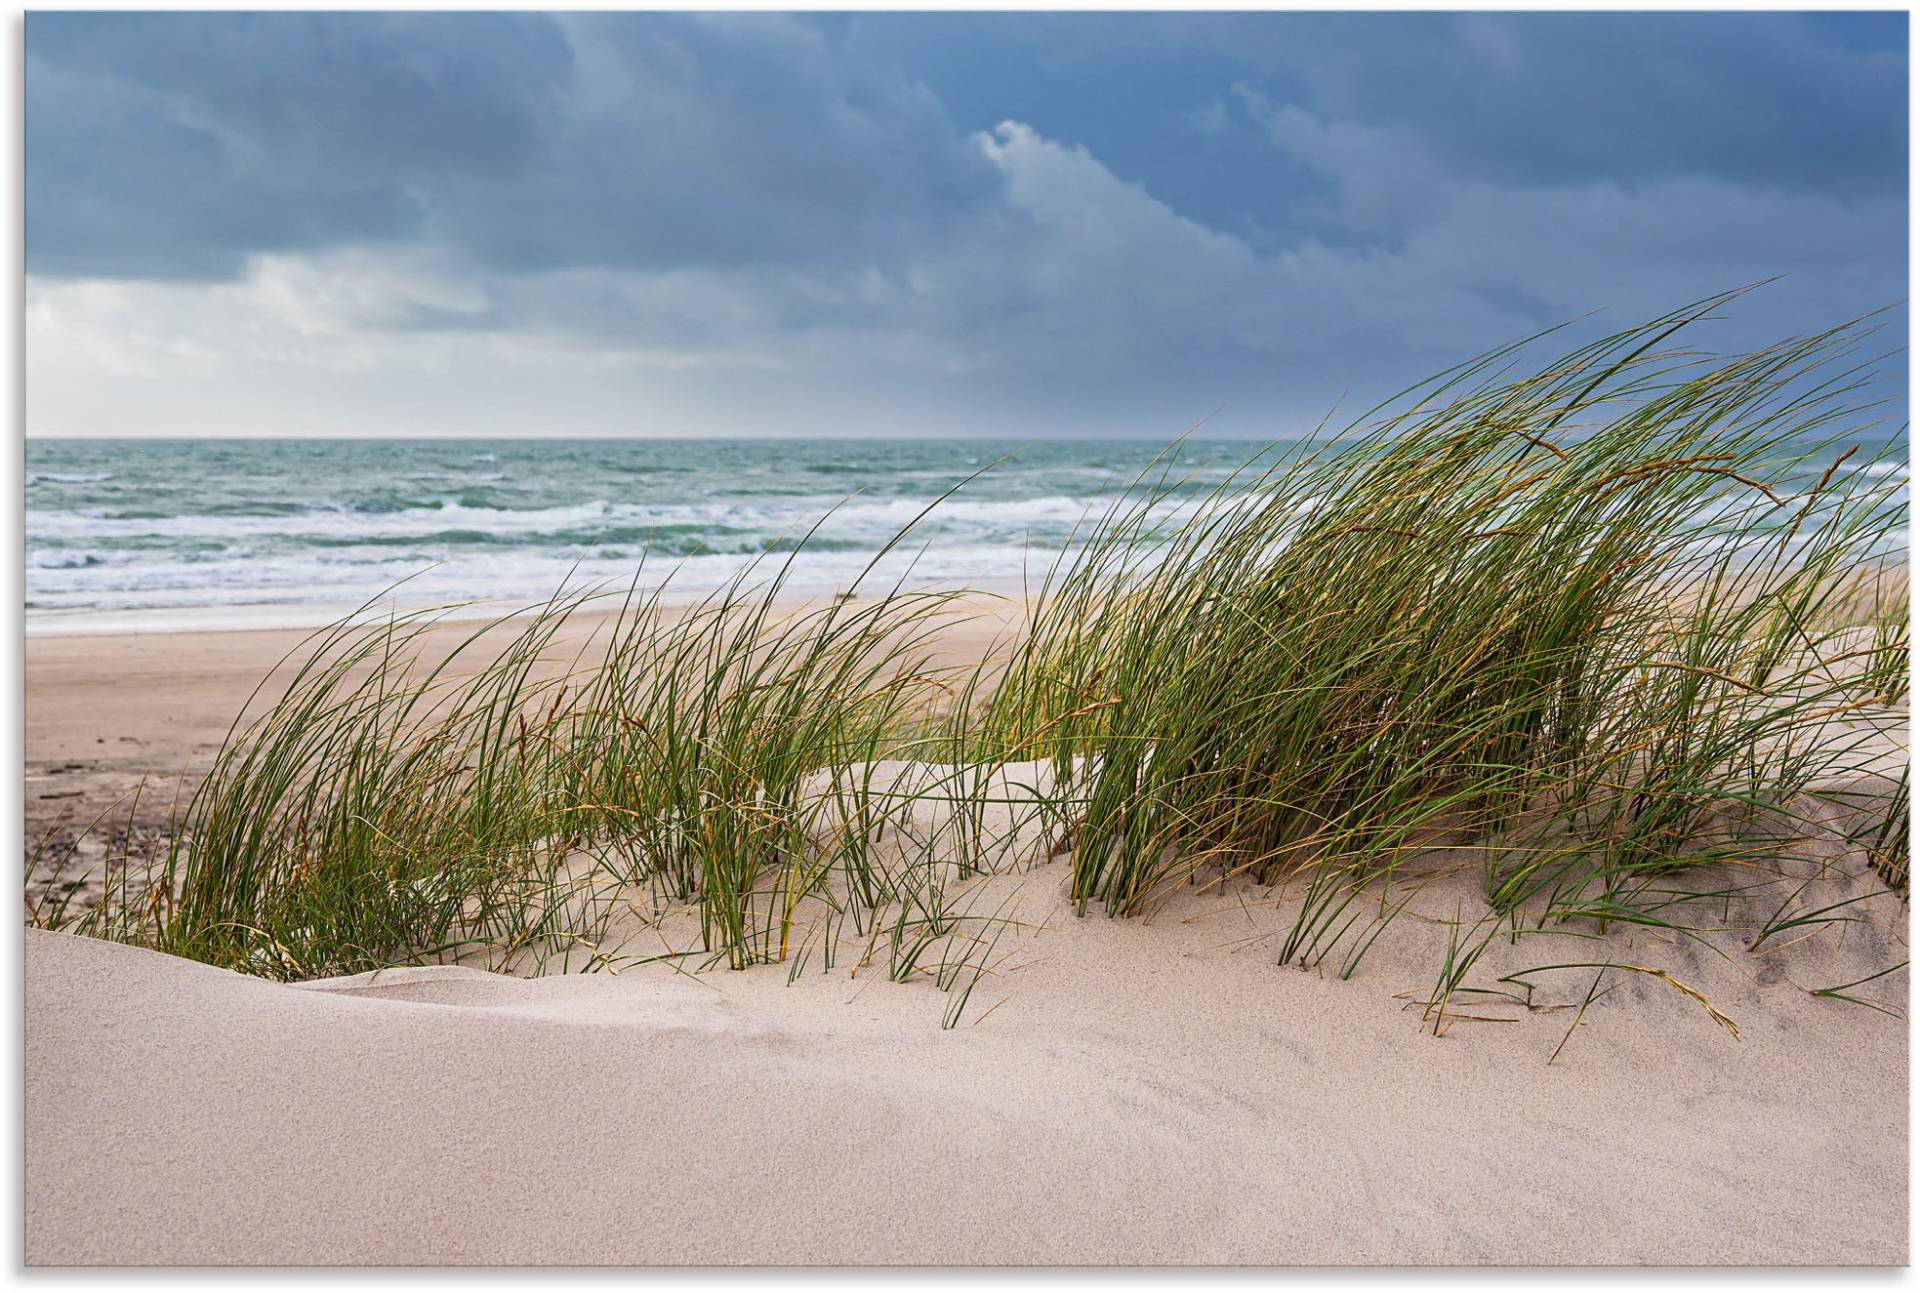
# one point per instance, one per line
(1133, 1091)
(1125, 1092)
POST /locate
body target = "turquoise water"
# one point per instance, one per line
(180, 533)
(277, 531)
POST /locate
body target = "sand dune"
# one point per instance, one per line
(1119, 1092)
(1153, 1090)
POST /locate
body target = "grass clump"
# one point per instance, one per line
(1572, 620)
(393, 806)
(1623, 625)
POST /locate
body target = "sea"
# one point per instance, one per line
(131, 535)
(157, 534)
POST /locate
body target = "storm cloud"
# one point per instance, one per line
(994, 224)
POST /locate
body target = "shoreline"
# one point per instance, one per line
(305, 617)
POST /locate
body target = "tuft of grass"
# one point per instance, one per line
(1573, 613)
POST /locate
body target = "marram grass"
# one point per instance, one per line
(1573, 615)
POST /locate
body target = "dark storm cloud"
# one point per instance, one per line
(388, 95)
(175, 144)
(727, 140)
(172, 145)
(1767, 99)
(1779, 100)
(1089, 221)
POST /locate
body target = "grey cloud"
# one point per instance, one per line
(175, 145)
(119, 186)
(1552, 98)
(392, 97)
(729, 140)
(762, 214)
(1779, 99)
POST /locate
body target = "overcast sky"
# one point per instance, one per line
(988, 224)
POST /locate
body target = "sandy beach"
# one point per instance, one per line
(965, 639)
(1119, 1091)
(1142, 1093)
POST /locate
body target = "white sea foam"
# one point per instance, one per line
(68, 477)
(862, 518)
(293, 582)
(77, 558)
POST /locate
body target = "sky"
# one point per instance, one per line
(1004, 225)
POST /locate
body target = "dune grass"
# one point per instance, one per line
(1621, 623)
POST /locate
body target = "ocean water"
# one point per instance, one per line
(147, 533)
(127, 534)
